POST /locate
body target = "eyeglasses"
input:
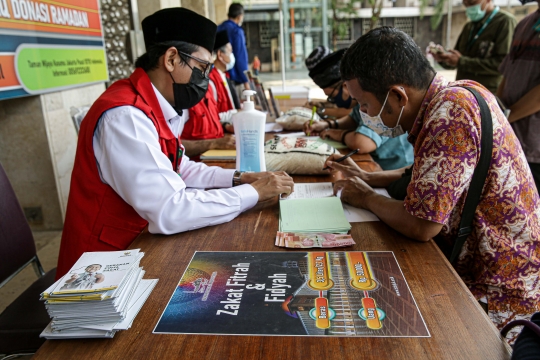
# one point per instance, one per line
(208, 65)
(330, 98)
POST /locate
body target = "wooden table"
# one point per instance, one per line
(459, 328)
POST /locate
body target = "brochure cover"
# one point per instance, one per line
(293, 293)
(95, 272)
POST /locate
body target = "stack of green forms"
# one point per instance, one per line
(322, 215)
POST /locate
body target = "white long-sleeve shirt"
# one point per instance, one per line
(130, 160)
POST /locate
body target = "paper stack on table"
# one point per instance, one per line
(315, 215)
(101, 294)
(320, 190)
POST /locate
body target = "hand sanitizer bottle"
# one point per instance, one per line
(249, 132)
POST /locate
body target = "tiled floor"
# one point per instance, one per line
(47, 245)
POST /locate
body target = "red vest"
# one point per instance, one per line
(203, 120)
(223, 100)
(97, 218)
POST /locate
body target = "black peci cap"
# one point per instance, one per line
(326, 72)
(179, 24)
(222, 39)
(319, 53)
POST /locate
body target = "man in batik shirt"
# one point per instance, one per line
(398, 91)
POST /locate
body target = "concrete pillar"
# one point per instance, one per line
(37, 150)
(215, 10)
(459, 19)
(199, 6)
(148, 7)
(221, 7)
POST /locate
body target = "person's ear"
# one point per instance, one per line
(170, 59)
(401, 94)
(345, 89)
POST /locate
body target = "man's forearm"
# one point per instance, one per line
(337, 112)
(529, 104)
(347, 122)
(393, 213)
(361, 142)
(446, 66)
(197, 147)
(384, 178)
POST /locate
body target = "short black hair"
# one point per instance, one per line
(235, 10)
(222, 49)
(384, 57)
(150, 60)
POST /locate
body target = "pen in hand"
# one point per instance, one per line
(343, 158)
(313, 111)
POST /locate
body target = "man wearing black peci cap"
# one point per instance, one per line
(208, 124)
(130, 170)
(203, 129)
(226, 97)
(349, 129)
(325, 74)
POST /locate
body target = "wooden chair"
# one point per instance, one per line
(26, 317)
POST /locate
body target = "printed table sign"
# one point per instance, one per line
(293, 293)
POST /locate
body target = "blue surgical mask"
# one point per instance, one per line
(475, 12)
(338, 100)
(376, 124)
(231, 62)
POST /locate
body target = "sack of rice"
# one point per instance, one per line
(297, 155)
(295, 118)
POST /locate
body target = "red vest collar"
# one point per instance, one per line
(143, 86)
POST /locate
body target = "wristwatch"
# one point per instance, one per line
(236, 178)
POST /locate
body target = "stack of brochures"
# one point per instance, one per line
(101, 294)
(313, 215)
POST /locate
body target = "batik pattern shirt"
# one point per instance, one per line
(500, 261)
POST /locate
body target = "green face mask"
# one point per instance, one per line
(475, 12)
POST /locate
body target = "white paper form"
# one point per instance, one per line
(273, 127)
(311, 190)
(319, 190)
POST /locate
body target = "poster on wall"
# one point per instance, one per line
(315, 293)
(48, 46)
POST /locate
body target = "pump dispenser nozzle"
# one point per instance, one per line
(248, 104)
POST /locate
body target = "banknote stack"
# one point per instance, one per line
(312, 240)
(100, 295)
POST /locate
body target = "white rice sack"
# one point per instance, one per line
(295, 118)
(297, 155)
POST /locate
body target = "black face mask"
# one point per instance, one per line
(189, 95)
(340, 103)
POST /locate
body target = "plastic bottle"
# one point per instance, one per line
(249, 132)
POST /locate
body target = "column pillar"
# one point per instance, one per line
(37, 149)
